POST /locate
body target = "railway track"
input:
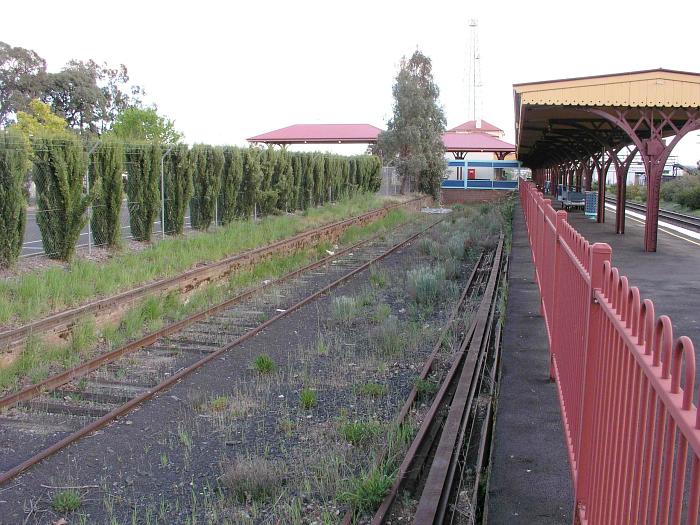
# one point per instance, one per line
(60, 324)
(60, 410)
(444, 468)
(681, 219)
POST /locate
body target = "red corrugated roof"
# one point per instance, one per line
(320, 134)
(474, 142)
(470, 126)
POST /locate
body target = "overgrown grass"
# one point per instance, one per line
(370, 389)
(263, 364)
(35, 361)
(426, 284)
(37, 293)
(307, 398)
(345, 309)
(67, 501)
(255, 479)
(359, 432)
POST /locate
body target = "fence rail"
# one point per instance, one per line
(625, 386)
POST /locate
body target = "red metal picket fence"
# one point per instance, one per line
(625, 387)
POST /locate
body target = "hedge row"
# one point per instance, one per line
(219, 184)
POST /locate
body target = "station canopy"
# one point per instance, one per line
(565, 120)
(468, 142)
(320, 134)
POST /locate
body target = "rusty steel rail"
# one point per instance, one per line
(182, 373)
(437, 447)
(57, 380)
(453, 321)
(61, 322)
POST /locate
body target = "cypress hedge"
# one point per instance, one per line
(177, 177)
(231, 178)
(13, 206)
(106, 168)
(208, 165)
(252, 175)
(59, 172)
(142, 187)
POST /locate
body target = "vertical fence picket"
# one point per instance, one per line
(630, 428)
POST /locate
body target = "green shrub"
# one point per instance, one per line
(106, 168)
(307, 398)
(252, 174)
(345, 309)
(208, 164)
(360, 432)
(59, 171)
(231, 178)
(143, 167)
(370, 389)
(177, 176)
(67, 501)
(13, 205)
(426, 284)
(366, 492)
(263, 364)
(389, 337)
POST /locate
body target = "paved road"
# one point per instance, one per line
(32, 236)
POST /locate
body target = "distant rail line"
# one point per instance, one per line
(681, 219)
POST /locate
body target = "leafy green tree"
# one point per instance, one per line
(143, 168)
(22, 77)
(230, 183)
(59, 171)
(106, 169)
(90, 95)
(252, 175)
(283, 182)
(319, 177)
(413, 140)
(145, 124)
(177, 176)
(208, 165)
(13, 206)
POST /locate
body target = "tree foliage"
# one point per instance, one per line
(145, 124)
(252, 175)
(231, 178)
(59, 171)
(143, 168)
(105, 170)
(178, 169)
(13, 207)
(413, 140)
(208, 165)
(88, 95)
(22, 78)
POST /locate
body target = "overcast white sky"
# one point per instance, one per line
(225, 71)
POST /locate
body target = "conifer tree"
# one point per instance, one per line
(177, 176)
(252, 174)
(208, 166)
(106, 169)
(142, 188)
(59, 173)
(13, 206)
(231, 178)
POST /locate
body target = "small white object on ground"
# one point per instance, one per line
(436, 210)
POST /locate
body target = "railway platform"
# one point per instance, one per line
(530, 480)
(668, 276)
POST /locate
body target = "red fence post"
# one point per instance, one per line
(600, 253)
(556, 303)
